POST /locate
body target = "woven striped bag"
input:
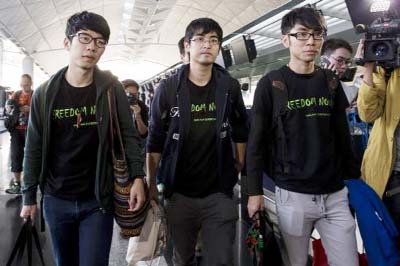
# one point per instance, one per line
(130, 222)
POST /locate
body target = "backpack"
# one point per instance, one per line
(276, 149)
(11, 117)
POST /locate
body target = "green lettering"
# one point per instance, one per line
(297, 102)
(83, 110)
(62, 113)
(56, 114)
(211, 107)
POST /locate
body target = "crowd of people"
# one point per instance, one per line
(195, 140)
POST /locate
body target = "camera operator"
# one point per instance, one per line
(377, 103)
(140, 111)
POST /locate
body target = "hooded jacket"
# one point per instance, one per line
(377, 228)
(36, 168)
(378, 104)
(170, 124)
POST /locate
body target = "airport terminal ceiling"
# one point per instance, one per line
(144, 33)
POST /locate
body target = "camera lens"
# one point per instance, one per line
(380, 49)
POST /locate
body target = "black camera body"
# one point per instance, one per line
(132, 100)
(382, 42)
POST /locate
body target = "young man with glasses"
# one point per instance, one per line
(338, 53)
(306, 146)
(67, 151)
(196, 115)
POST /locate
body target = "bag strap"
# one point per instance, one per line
(332, 82)
(114, 124)
(37, 243)
(19, 245)
(280, 109)
(25, 238)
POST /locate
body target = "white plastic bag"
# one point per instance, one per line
(152, 239)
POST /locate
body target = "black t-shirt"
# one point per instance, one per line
(311, 127)
(197, 168)
(73, 143)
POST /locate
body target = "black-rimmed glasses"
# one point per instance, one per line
(342, 61)
(203, 40)
(85, 38)
(304, 36)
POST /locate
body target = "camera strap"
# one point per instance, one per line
(388, 73)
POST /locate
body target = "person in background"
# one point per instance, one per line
(195, 116)
(22, 99)
(68, 149)
(336, 54)
(307, 149)
(139, 109)
(378, 104)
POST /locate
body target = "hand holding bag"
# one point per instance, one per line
(152, 239)
(130, 222)
(25, 238)
(262, 243)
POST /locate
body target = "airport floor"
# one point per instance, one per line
(10, 225)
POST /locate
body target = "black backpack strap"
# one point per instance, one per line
(280, 110)
(332, 82)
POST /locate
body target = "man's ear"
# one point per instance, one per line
(285, 41)
(67, 43)
(186, 45)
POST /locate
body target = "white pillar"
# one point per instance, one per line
(27, 66)
(1, 61)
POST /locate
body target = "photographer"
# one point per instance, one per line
(377, 103)
(140, 111)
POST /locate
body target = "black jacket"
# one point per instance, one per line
(170, 123)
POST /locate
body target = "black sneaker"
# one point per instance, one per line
(15, 188)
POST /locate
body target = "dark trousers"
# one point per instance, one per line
(80, 232)
(17, 149)
(392, 202)
(215, 215)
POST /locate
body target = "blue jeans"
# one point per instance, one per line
(80, 232)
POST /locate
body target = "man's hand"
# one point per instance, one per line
(239, 166)
(28, 211)
(254, 204)
(136, 109)
(137, 195)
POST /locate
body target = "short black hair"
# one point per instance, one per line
(130, 82)
(307, 16)
(87, 21)
(181, 46)
(203, 26)
(331, 45)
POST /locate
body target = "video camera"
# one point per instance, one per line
(380, 21)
